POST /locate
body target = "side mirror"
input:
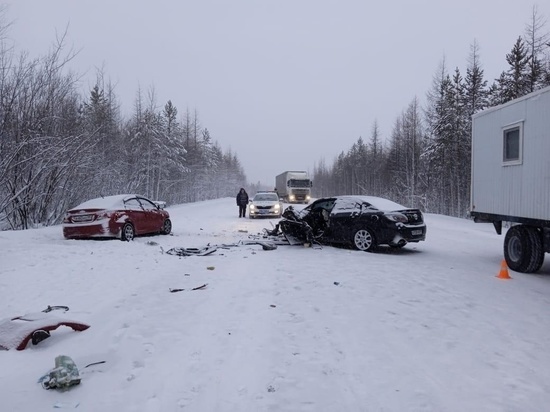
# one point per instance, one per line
(160, 204)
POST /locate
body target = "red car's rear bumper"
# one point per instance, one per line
(106, 229)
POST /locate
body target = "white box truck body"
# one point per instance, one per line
(294, 186)
(511, 176)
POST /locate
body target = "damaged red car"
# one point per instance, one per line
(119, 216)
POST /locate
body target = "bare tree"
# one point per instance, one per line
(536, 40)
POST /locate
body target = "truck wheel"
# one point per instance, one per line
(518, 245)
(537, 251)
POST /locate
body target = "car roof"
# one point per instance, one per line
(106, 202)
(379, 203)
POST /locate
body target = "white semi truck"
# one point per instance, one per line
(294, 186)
(511, 176)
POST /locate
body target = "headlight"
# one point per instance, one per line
(252, 206)
(291, 197)
(397, 217)
(277, 206)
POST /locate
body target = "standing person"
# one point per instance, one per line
(242, 201)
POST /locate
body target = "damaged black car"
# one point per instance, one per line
(362, 222)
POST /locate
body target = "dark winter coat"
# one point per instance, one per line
(242, 198)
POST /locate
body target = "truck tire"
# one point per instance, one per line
(523, 249)
(537, 250)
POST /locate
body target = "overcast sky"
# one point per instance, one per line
(282, 83)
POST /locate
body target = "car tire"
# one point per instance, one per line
(363, 239)
(166, 227)
(128, 232)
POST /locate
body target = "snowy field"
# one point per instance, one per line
(426, 328)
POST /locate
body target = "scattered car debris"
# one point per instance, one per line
(189, 251)
(63, 376)
(15, 333)
(201, 287)
(50, 308)
(265, 243)
(94, 363)
(66, 405)
(209, 249)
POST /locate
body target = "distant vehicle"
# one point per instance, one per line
(511, 176)
(265, 204)
(294, 186)
(362, 222)
(119, 216)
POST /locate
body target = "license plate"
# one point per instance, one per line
(416, 232)
(82, 218)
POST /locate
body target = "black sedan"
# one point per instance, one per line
(363, 222)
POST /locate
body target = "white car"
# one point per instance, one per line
(265, 204)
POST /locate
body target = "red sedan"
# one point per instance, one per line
(120, 216)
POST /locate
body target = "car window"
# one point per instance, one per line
(132, 204)
(324, 205)
(347, 205)
(147, 205)
(318, 206)
(382, 204)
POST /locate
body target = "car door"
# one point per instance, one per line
(137, 214)
(343, 218)
(318, 216)
(153, 217)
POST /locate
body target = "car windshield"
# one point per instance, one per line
(262, 197)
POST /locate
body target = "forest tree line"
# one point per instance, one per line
(58, 148)
(425, 162)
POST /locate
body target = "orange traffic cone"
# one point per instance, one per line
(503, 274)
